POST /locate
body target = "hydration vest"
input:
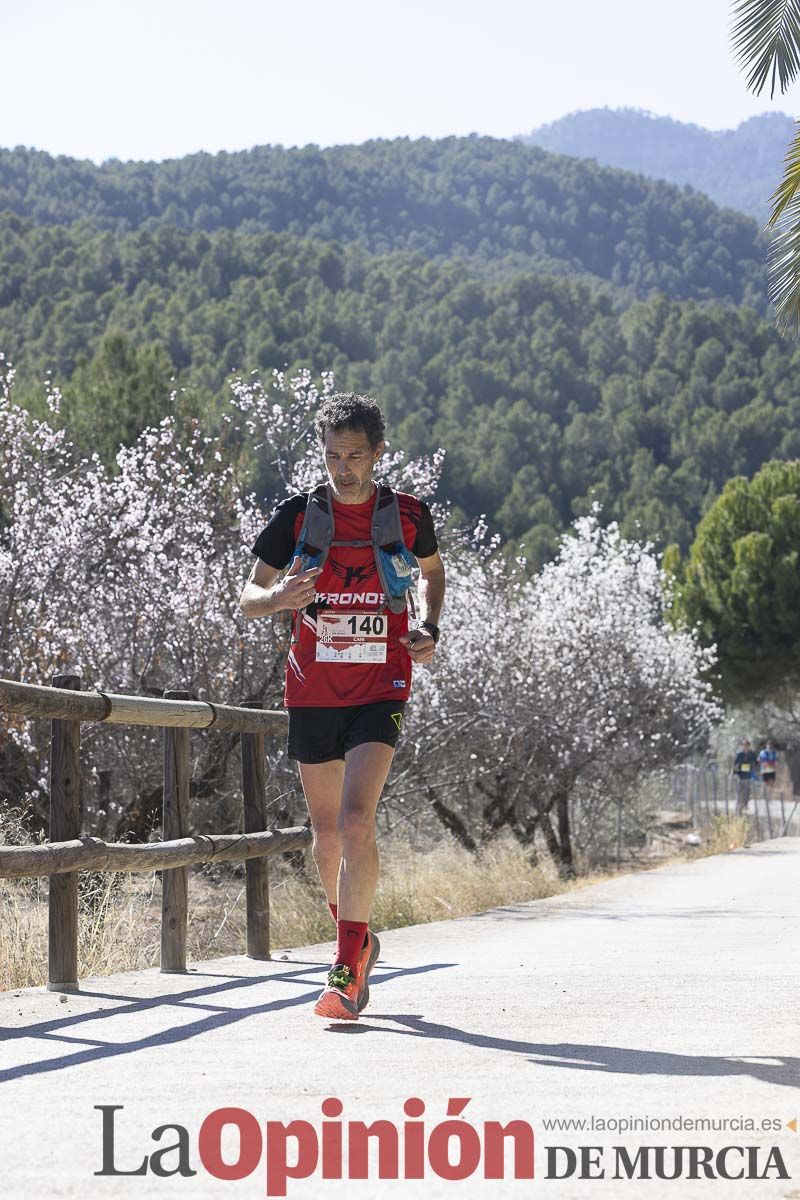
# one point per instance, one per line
(394, 560)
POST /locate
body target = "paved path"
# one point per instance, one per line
(668, 994)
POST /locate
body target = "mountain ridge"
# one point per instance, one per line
(504, 205)
(738, 167)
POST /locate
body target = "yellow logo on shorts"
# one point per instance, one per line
(398, 719)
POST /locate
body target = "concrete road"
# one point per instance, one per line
(664, 996)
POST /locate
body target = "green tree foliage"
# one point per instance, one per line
(111, 397)
(742, 579)
(502, 205)
(545, 394)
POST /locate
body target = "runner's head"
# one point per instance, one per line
(350, 429)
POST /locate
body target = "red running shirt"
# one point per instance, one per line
(349, 583)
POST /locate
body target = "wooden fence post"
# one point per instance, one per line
(175, 882)
(255, 821)
(65, 824)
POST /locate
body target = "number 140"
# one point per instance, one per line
(369, 625)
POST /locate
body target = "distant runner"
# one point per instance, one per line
(352, 546)
(745, 769)
(768, 763)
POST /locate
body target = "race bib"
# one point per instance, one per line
(351, 637)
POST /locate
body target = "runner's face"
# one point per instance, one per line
(350, 461)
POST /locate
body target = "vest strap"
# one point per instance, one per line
(387, 542)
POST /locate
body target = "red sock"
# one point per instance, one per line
(333, 909)
(350, 937)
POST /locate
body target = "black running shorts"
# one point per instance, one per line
(318, 735)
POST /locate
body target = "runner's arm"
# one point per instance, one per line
(419, 643)
(263, 594)
(431, 587)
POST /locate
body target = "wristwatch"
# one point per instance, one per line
(432, 629)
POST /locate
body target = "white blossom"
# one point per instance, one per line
(132, 577)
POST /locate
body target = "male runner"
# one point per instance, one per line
(346, 698)
(745, 769)
(768, 763)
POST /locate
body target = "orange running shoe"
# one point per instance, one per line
(339, 998)
(366, 962)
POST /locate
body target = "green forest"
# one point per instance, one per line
(566, 331)
(500, 205)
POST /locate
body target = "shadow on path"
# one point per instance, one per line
(785, 1071)
(191, 998)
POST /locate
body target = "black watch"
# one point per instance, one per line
(432, 629)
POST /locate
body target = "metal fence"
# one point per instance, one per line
(709, 790)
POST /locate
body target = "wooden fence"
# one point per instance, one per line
(68, 851)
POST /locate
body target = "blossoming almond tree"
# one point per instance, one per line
(573, 676)
(133, 581)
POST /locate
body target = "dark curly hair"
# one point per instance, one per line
(348, 410)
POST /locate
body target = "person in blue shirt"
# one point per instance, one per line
(745, 770)
(768, 763)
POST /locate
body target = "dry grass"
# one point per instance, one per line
(23, 936)
(448, 881)
(119, 925)
(720, 835)
(114, 933)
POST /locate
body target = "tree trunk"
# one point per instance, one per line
(143, 814)
(565, 847)
(550, 837)
(452, 822)
(500, 812)
(496, 815)
(527, 837)
(140, 817)
(17, 779)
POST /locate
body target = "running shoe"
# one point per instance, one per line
(369, 955)
(339, 997)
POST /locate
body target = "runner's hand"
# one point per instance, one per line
(297, 588)
(421, 645)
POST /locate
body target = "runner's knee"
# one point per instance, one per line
(326, 841)
(357, 821)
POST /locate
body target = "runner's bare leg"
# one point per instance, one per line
(322, 784)
(366, 768)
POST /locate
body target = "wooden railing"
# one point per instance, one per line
(68, 851)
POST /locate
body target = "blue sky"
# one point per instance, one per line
(157, 79)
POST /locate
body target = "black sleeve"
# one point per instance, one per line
(425, 543)
(275, 543)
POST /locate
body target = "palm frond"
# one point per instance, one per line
(766, 38)
(784, 252)
(788, 188)
(784, 277)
